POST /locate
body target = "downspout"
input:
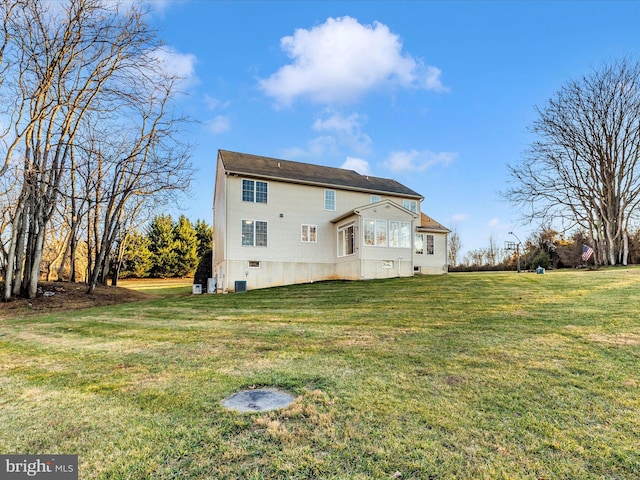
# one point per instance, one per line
(414, 229)
(360, 244)
(446, 252)
(225, 286)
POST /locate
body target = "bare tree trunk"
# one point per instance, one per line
(72, 257)
(625, 248)
(14, 261)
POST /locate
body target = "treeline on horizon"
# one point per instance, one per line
(547, 249)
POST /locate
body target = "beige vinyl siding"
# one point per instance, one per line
(436, 263)
(288, 207)
(219, 217)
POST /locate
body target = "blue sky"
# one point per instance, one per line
(437, 95)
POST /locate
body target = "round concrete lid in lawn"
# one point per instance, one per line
(258, 400)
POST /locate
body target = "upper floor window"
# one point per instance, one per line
(308, 233)
(375, 198)
(254, 233)
(254, 191)
(329, 199)
(411, 205)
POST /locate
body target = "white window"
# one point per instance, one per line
(400, 234)
(419, 244)
(405, 235)
(429, 244)
(424, 244)
(346, 240)
(309, 233)
(254, 191)
(410, 205)
(375, 198)
(375, 232)
(254, 233)
(329, 199)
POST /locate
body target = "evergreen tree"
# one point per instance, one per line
(137, 259)
(186, 248)
(162, 245)
(204, 270)
(205, 237)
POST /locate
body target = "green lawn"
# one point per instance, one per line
(488, 375)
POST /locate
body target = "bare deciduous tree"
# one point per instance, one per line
(454, 247)
(148, 161)
(583, 169)
(67, 66)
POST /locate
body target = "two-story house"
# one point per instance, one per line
(278, 222)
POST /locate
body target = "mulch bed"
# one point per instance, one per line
(63, 296)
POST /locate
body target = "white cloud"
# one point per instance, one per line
(460, 217)
(347, 130)
(157, 8)
(417, 161)
(432, 80)
(341, 60)
(220, 124)
(338, 122)
(359, 165)
(181, 65)
(316, 148)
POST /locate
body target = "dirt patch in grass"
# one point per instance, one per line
(63, 296)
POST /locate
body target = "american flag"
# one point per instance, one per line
(587, 252)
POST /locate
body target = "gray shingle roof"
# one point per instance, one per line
(306, 173)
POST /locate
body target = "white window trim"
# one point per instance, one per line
(341, 229)
(309, 227)
(411, 205)
(376, 222)
(255, 190)
(415, 245)
(425, 244)
(335, 199)
(407, 226)
(433, 244)
(255, 236)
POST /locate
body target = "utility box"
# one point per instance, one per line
(240, 286)
(197, 289)
(540, 270)
(211, 285)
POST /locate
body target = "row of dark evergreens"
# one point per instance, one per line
(167, 248)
